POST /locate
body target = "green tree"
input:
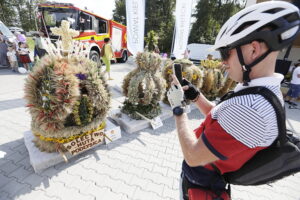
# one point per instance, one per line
(26, 13)
(160, 19)
(119, 13)
(19, 13)
(7, 12)
(24, 8)
(151, 41)
(210, 16)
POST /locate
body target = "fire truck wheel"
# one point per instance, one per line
(124, 57)
(94, 56)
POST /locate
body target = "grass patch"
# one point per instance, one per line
(30, 43)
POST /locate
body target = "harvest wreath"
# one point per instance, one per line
(144, 87)
(67, 97)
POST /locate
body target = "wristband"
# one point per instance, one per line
(178, 111)
(196, 99)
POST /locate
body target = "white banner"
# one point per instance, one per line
(135, 16)
(182, 26)
(250, 3)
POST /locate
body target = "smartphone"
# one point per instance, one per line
(177, 70)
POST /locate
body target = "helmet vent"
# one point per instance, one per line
(292, 17)
(244, 15)
(243, 26)
(223, 32)
(274, 10)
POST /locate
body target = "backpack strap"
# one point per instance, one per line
(273, 100)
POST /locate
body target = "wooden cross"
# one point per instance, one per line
(66, 34)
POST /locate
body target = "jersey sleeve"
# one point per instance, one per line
(220, 143)
(237, 128)
(246, 124)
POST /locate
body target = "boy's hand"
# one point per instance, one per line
(175, 94)
(190, 91)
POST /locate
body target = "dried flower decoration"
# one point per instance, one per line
(67, 96)
(144, 87)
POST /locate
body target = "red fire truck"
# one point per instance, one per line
(93, 28)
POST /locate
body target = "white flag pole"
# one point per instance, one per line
(173, 39)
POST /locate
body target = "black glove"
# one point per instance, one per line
(192, 93)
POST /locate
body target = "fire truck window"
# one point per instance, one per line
(53, 17)
(95, 25)
(89, 24)
(50, 19)
(71, 19)
(81, 21)
(102, 26)
(85, 22)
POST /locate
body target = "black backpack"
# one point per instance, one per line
(280, 159)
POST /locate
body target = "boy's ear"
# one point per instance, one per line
(257, 49)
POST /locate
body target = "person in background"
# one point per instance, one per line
(20, 37)
(12, 58)
(81, 22)
(210, 57)
(17, 48)
(40, 45)
(108, 54)
(294, 87)
(24, 55)
(3, 53)
(35, 52)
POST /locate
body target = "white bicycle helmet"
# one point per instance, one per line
(277, 23)
(247, 25)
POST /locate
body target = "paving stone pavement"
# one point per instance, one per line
(143, 165)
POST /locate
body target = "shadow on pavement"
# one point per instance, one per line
(7, 71)
(12, 104)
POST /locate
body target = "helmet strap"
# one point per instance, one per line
(247, 68)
